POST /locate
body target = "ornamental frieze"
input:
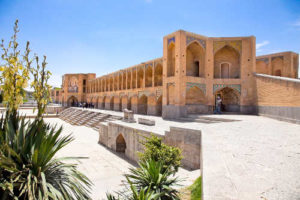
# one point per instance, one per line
(266, 60)
(170, 40)
(280, 57)
(141, 93)
(236, 44)
(236, 87)
(190, 39)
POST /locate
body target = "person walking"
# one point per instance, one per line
(218, 105)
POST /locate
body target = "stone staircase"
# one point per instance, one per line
(66, 113)
(73, 116)
(97, 119)
(87, 118)
(79, 117)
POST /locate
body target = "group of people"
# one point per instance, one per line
(83, 105)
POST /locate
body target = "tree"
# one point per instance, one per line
(40, 85)
(15, 73)
(155, 149)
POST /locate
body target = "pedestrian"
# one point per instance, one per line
(218, 105)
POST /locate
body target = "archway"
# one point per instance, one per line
(103, 102)
(227, 63)
(261, 67)
(148, 78)
(143, 105)
(230, 99)
(129, 107)
(133, 83)
(111, 105)
(129, 80)
(278, 72)
(124, 102)
(72, 101)
(158, 75)
(195, 101)
(124, 81)
(141, 77)
(195, 58)
(159, 106)
(171, 60)
(120, 144)
(277, 66)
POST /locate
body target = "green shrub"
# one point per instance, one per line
(28, 166)
(155, 149)
(149, 182)
(196, 189)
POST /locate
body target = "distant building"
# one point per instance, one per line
(193, 71)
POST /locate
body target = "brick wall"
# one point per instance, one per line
(278, 97)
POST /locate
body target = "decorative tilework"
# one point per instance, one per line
(131, 94)
(158, 93)
(273, 58)
(169, 84)
(202, 87)
(190, 39)
(266, 60)
(236, 87)
(141, 93)
(171, 40)
(122, 94)
(236, 44)
(149, 65)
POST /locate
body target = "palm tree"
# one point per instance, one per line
(29, 168)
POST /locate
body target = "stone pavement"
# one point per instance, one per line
(253, 158)
(104, 167)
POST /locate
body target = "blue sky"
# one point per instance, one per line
(81, 36)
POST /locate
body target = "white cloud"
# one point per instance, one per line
(260, 45)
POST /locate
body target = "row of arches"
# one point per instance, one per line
(137, 77)
(146, 105)
(195, 101)
(275, 67)
(226, 61)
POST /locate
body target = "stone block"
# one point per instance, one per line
(148, 122)
(128, 116)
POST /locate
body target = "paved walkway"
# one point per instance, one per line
(252, 158)
(104, 167)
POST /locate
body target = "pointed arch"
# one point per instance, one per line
(111, 103)
(195, 60)
(194, 96)
(159, 106)
(143, 105)
(277, 66)
(158, 75)
(140, 80)
(72, 101)
(230, 99)
(227, 63)
(148, 78)
(120, 144)
(171, 60)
